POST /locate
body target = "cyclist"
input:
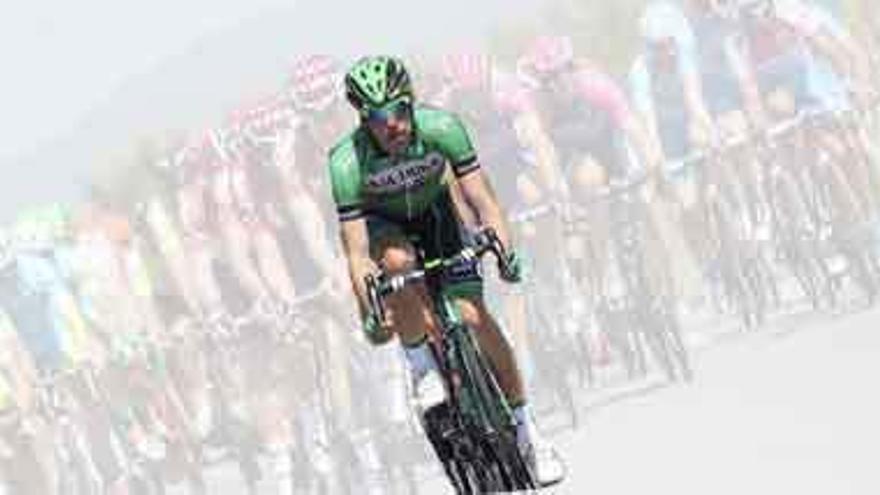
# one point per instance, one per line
(801, 56)
(26, 462)
(520, 154)
(804, 59)
(198, 165)
(162, 242)
(723, 68)
(683, 83)
(731, 96)
(313, 92)
(508, 125)
(243, 226)
(51, 323)
(17, 394)
(597, 137)
(390, 181)
(584, 111)
(665, 81)
(180, 218)
(41, 309)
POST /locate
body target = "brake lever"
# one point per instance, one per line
(373, 297)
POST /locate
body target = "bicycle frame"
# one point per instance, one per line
(477, 424)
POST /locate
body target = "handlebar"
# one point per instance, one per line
(381, 285)
(674, 167)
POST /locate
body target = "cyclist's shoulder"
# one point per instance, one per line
(437, 125)
(510, 95)
(600, 89)
(445, 131)
(432, 119)
(346, 154)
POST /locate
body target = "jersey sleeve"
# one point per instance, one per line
(448, 133)
(345, 181)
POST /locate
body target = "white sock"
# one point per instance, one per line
(420, 358)
(526, 431)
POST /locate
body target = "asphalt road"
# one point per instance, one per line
(789, 409)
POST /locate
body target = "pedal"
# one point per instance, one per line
(441, 433)
(437, 420)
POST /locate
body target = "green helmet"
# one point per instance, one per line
(374, 81)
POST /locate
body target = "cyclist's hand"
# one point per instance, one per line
(376, 331)
(510, 269)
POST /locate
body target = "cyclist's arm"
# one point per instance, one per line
(740, 63)
(142, 285)
(514, 99)
(170, 245)
(603, 93)
(847, 58)
(829, 39)
(651, 133)
(531, 135)
(345, 182)
(17, 364)
(640, 138)
(356, 248)
(449, 134)
(701, 127)
(643, 110)
(196, 242)
(304, 209)
(478, 196)
(234, 236)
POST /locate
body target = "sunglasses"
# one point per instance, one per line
(397, 110)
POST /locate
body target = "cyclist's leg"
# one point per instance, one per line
(492, 342)
(237, 239)
(442, 234)
(169, 243)
(271, 264)
(847, 173)
(409, 308)
(589, 248)
(505, 367)
(827, 90)
(732, 125)
(95, 421)
(199, 249)
(35, 467)
(410, 311)
(533, 235)
(262, 221)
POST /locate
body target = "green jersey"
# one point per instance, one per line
(365, 180)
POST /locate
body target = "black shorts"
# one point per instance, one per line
(437, 233)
